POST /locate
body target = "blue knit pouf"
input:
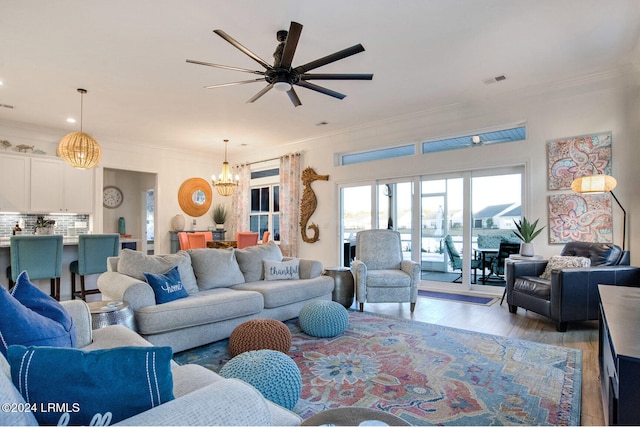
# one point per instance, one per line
(323, 319)
(273, 373)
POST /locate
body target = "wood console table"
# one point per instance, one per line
(619, 354)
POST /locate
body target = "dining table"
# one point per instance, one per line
(481, 254)
(222, 244)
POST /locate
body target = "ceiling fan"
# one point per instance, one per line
(281, 75)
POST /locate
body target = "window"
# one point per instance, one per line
(385, 153)
(265, 210)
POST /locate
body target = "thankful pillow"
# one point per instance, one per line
(282, 270)
(99, 387)
(559, 261)
(28, 316)
(168, 286)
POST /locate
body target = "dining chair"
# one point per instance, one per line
(196, 240)
(265, 237)
(40, 256)
(246, 238)
(184, 241)
(93, 251)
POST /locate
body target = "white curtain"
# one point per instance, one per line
(290, 185)
(241, 201)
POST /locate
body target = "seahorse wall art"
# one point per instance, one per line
(309, 204)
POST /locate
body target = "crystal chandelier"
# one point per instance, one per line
(226, 184)
(79, 149)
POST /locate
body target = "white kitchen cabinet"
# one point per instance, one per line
(14, 183)
(57, 187)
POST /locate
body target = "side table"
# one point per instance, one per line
(343, 289)
(105, 313)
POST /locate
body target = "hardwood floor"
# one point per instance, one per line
(497, 320)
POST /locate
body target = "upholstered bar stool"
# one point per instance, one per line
(93, 251)
(40, 256)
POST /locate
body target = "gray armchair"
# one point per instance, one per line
(572, 293)
(380, 272)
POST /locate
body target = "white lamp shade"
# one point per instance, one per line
(594, 184)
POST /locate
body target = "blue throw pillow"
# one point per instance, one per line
(101, 387)
(28, 316)
(168, 286)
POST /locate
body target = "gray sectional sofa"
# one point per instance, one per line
(202, 397)
(226, 287)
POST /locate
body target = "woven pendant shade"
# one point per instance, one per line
(80, 150)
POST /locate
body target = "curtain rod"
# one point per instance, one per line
(268, 160)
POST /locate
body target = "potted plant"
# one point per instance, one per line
(44, 226)
(219, 216)
(527, 232)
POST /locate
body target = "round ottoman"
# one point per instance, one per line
(260, 334)
(273, 373)
(323, 319)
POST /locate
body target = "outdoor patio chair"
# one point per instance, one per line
(455, 260)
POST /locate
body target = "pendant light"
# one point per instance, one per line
(79, 149)
(226, 184)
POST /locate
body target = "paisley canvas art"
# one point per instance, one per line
(580, 217)
(574, 157)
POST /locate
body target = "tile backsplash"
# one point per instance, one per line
(63, 223)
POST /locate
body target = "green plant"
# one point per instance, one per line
(526, 230)
(219, 214)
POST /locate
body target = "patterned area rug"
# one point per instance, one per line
(428, 374)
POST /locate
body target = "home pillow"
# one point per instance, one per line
(28, 316)
(282, 270)
(168, 286)
(215, 268)
(250, 259)
(99, 387)
(559, 261)
(135, 264)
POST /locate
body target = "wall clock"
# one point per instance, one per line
(111, 197)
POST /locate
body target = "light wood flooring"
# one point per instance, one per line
(497, 320)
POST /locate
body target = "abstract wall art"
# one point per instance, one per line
(580, 217)
(577, 156)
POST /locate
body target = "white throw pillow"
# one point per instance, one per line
(559, 261)
(282, 270)
(250, 259)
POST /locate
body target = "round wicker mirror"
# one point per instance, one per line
(194, 196)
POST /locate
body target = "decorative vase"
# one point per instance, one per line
(178, 222)
(122, 229)
(526, 249)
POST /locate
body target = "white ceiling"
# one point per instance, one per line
(131, 57)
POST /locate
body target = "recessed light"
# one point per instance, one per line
(71, 120)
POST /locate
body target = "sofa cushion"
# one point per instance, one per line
(115, 383)
(168, 286)
(282, 270)
(208, 306)
(215, 268)
(282, 292)
(135, 264)
(250, 259)
(28, 316)
(559, 261)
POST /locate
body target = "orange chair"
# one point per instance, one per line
(246, 238)
(196, 240)
(265, 237)
(184, 241)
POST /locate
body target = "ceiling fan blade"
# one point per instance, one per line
(293, 96)
(330, 58)
(336, 77)
(290, 45)
(226, 67)
(246, 51)
(321, 89)
(259, 94)
(233, 83)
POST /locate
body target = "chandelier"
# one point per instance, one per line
(226, 184)
(79, 149)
